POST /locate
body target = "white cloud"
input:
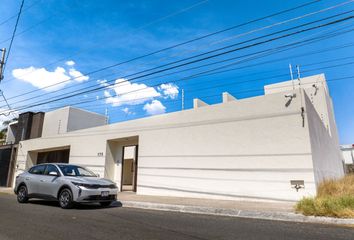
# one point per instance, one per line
(40, 77)
(127, 111)
(77, 76)
(169, 90)
(155, 107)
(103, 83)
(70, 63)
(127, 93)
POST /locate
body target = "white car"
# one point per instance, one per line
(66, 183)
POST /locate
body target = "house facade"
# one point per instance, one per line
(277, 146)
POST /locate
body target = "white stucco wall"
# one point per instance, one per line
(69, 119)
(327, 159)
(317, 90)
(55, 122)
(249, 148)
(81, 119)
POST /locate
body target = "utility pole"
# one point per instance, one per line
(2, 63)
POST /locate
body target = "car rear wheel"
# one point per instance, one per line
(66, 199)
(22, 196)
(105, 204)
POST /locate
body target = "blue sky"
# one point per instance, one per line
(63, 39)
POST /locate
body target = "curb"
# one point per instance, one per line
(279, 216)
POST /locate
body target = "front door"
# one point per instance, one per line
(129, 168)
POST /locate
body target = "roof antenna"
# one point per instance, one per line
(182, 99)
(291, 75)
(298, 75)
(107, 117)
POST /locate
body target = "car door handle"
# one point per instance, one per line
(42, 180)
(27, 178)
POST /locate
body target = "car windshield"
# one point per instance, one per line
(76, 171)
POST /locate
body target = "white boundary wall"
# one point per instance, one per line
(244, 149)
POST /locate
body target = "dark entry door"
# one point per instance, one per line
(5, 159)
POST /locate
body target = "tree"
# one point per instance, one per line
(5, 124)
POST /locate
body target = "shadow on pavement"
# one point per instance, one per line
(82, 206)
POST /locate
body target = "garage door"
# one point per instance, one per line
(58, 156)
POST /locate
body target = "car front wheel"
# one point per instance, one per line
(66, 199)
(22, 196)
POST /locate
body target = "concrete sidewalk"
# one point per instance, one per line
(281, 211)
(7, 190)
(210, 203)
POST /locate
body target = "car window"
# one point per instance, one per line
(37, 169)
(76, 171)
(50, 168)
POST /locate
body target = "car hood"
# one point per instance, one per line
(90, 180)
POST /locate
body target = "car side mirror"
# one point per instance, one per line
(53, 173)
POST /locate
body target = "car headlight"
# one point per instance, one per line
(80, 184)
(85, 185)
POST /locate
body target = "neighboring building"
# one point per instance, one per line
(69, 119)
(255, 148)
(348, 153)
(32, 125)
(11, 132)
(28, 126)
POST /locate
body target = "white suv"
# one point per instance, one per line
(66, 183)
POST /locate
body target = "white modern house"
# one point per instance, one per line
(277, 146)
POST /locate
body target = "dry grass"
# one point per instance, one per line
(335, 198)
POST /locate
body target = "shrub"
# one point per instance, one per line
(335, 198)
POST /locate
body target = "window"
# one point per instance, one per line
(51, 168)
(37, 169)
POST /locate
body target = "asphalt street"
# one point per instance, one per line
(45, 220)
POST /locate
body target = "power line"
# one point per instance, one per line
(215, 55)
(238, 57)
(199, 75)
(210, 96)
(39, 103)
(13, 36)
(339, 65)
(14, 16)
(203, 37)
(8, 105)
(235, 83)
(303, 42)
(141, 27)
(172, 63)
